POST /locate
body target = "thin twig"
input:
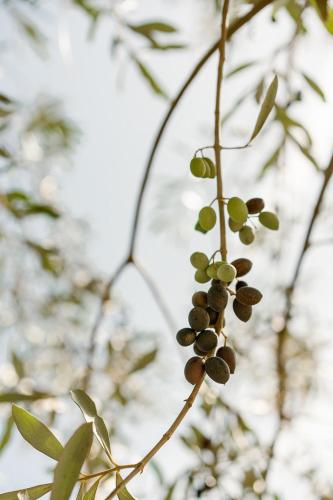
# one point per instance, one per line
(282, 335)
(166, 436)
(156, 294)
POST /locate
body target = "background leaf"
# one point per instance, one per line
(91, 493)
(266, 107)
(144, 361)
(36, 433)
(69, 466)
(315, 87)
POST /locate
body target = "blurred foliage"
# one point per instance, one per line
(50, 291)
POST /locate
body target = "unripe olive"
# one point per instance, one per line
(218, 283)
(212, 269)
(240, 283)
(226, 272)
(199, 260)
(246, 235)
(213, 315)
(248, 295)
(217, 298)
(255, 205)
(198, 319)
(234, 226)
(237, 210)
(207, 218)
(201, 276)
(242, 311)
(206, 341)
(210, 168)
(194, 370)
(229, 357)
(186, 336)
(269, 220)
(217, 369)
(243, 266)
(198, 167)
(199, 299)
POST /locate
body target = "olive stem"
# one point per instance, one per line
(166, 436)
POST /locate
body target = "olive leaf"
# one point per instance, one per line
(147, 28)
(102, 434)
(266, 107)
(71, 460)
(144, 361)
(36, 433)
(147, 74)
(85, 403)
(123, 494)
(315, 87)
(6, 434)
(89, 410)
(91, 493)
(34, 492)
(240, 68)
(15, 397)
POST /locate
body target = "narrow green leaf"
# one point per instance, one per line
(240, 68)
(144, 361)
(102, 434)
(85, 403)
(148, 28)
(71, 460)
(315, 87)
(81, 492)
(7, 432)
(91, 493)
(266, 107)
(322, 8)
(34, 492)
(123, 494)
(18, 365)
(36, 433)
(146, 73)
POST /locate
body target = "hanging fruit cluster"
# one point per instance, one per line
(206, 318)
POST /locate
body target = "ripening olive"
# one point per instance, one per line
(194, 370)
(199, 299)
(242, 311)
(206, 341)
(186, 336)
(198, 319)
(226, 272)
(217, 298)
(229, 357)
(255, 205)
(217, 369)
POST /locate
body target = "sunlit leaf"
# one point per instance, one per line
(71, 460)
(322, 7)
(34, 492)
(266, 107)
(85, 403)
(102, 433)
(36, 433)
(18, 365)
(315, 87)
(23, 495)
(144, 361)
(91, 493)
(123, 494)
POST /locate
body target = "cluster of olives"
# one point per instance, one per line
(206, 313)
(239, 213)
(203, 167)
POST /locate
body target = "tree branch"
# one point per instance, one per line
(282, 335)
